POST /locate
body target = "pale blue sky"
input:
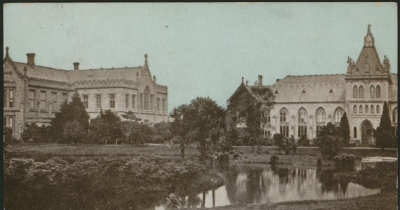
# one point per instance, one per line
(201, 49)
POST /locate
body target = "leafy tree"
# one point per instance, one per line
(184, 122)
(35, 133)
(140, 133)
(252, 106)
(73, 132)
(384, 133)
(162, 131)
(130, 116)
(345, 129)
(105, 128)
(282, 142)
(330, 140)
(74, 110)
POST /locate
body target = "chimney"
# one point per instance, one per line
(277, 80)
(260, 79)
(76, 66)
(154, 79)
(31, 59)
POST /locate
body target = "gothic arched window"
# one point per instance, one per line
(355, 109)
(284, 122)
(372, 109)
(338, 115)
(302, 128)
(146, 98)
(378, 109)
(320, 113)
(360, 109)
(355, 91)
(372, 92)
(361, 92)
(366, 109)
(378, 91)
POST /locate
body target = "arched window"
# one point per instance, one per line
(146, 98)
(284, 122)
(372, 109)
(355, 109)
(320, 119)
(267, 120)
(361, 92)
(372, 91)
(378, 91)
(360, 109)
(366, 109)
(338, 115)
(355, 91)
(378, 109)
(355, 132)
(302, 128)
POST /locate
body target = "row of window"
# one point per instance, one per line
(146, 101)
(367, 109)
(43, 95)
(358, 92)
(8, 97)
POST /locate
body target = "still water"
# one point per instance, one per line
(257, 184)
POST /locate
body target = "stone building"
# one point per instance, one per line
(33, 93)
(303, 104)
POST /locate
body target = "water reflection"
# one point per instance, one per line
(262, 184)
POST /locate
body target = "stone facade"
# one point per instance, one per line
(32, 93)
(303, 104)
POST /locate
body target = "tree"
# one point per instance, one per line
(184, 122)
(130, 116)
(345, 129)
(73, 132)
(35, 133)
(384, 133)
(330, 140)
(213, 118)
(252, 105)
(162, 131)
(105, 127)
(74, 110)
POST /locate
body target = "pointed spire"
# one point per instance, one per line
(242, 79)
(7, 54)
(369, 38)
(145, 60)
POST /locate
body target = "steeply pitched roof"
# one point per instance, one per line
(368, 61)
(315, 88)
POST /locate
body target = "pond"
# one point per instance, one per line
(261, 184)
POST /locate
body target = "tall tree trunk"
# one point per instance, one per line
(203, 203)
(213, 197)
(213, 157)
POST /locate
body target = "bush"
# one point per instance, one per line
(273, 159)
(303, 141)
(344, 160)
(282, 142)
(36, 134)
(330, 141)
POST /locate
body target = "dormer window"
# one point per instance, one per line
(276, 92)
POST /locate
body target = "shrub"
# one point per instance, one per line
(303, 141)
(330, 140)
(344, 160)
(282, 142)
(273, 159)
(36, 134)
(73, 132)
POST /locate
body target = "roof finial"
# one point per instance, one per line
(369, 29)
(242, 79)
(145, 60)
(7, 55)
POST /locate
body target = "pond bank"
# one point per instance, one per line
(384, 177)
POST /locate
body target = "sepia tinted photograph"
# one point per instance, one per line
(225, 106)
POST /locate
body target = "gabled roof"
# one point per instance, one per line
(41, 72)
(246, 88)
(315, 88)
(312, 79)
(368, 61)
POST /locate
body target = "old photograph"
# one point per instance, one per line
(163, 106)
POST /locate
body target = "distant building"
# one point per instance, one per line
(303, 104)
(32, 93)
